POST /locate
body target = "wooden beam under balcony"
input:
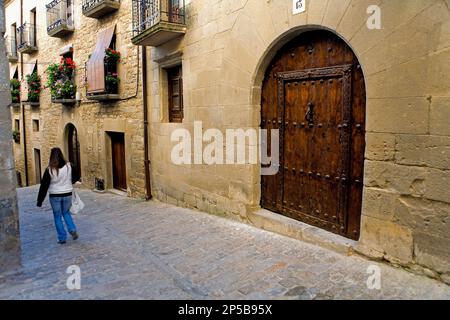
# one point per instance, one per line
(159, 34)
(100, 8)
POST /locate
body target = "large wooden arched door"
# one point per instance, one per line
(314, 93)
(73, 146)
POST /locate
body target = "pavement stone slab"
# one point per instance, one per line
(132, 249)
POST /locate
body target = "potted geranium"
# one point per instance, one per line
(15, 90)
(34, 87)
(60, 79)
(112, 56)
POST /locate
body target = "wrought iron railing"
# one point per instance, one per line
(59, 12)
(27, 36)
(147, 13)
(88, 4)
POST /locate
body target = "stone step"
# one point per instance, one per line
(273, 222)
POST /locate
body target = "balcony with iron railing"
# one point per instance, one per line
(11, 50)
(27, 38)
(156, 22)
(60, 18)
(99, 8)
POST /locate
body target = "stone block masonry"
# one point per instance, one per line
(225, 53)
(9, 219)
(93, 120)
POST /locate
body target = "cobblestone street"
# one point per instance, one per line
(130, 249)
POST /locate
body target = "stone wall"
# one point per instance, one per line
(9, 220)
(91, 119)
(224, 54)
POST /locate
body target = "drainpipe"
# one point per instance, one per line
(146, 143)
(25, 155)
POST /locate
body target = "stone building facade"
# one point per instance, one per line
(9, 220)
(225, 52)
(92, 122)
(224, 49)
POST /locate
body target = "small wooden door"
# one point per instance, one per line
(314, 93)
(37, 166)
(118, 161)
(175, 81)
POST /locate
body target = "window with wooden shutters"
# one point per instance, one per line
(175, 88)
(95, 67)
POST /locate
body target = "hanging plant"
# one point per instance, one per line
(112, 78)
(112, 56)
(112, 81)
(15, 90)
(60, 79)
(16, 136)
(34, 87)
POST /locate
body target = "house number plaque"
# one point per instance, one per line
(298, 6)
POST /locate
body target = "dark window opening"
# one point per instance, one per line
(68, 54)
(111, 71)
(33, 32)
(35, 125)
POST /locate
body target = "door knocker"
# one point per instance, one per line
(309, 116)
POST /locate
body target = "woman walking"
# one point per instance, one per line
(58, 181)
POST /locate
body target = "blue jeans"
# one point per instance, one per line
(61, 207)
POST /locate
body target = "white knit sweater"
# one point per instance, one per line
(61, 183)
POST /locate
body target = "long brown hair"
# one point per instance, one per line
(57, 160)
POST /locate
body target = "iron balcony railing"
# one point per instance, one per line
(59, 13)
(88, 4)
(148, 13)
(27, 36)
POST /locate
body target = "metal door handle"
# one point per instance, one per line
(309, 115)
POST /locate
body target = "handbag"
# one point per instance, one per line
(77, 204)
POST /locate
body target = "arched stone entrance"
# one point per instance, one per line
(314, 92)
(73, 148)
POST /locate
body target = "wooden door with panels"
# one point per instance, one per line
(118, 161)
(314, 93)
